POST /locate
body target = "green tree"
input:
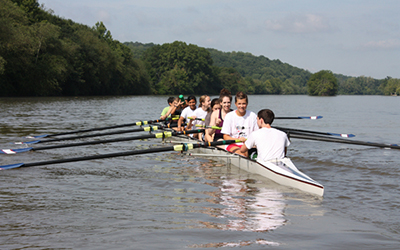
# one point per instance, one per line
(322, 83)
(391, 86)
(42, 54)
(231, 79)
(180, 68)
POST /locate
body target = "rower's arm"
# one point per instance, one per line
(180, 123)
(210, 131)
(228, 137)
(244, 149)
(170, 111)
(189, 126)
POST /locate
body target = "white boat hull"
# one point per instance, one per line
(281, 171)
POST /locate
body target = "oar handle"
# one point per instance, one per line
(204, 126)
(197, 119)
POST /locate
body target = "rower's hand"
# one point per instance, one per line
(242, 139)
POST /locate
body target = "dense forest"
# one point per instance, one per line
(42, 54)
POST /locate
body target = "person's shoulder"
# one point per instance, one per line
(279, 131)
(185, 110)
(196, 111)
(230, 115)
(215, 113)
(251, 113)
(166, 109)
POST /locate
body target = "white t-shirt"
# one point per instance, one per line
(187, 112)
(239, 126)
(270, 143)
(199, 113)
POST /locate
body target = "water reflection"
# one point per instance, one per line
(247, 208)
(235, 244)
(242, 204)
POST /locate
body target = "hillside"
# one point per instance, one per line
(265, 76)
(45, 55)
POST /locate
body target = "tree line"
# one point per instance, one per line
(44, 55)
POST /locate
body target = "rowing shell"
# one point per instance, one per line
(281, 171)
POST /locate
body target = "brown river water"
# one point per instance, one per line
(169, 201)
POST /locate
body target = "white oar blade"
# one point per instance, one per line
(14, 151)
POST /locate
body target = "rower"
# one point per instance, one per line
(217, 117)
(201, 113)
(239, 124)
(215, 106)
(173, 109)
(166, 111)
(187, 112)
(271, 143)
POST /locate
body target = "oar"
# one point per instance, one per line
(140, 123)
(284, 117)
(196, 119)
(300, 131)
(181, 147)
(340, 140)
(204, 126)
(146, 129)
(300, 117)
(166, 134)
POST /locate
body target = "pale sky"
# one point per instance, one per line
(350, 37)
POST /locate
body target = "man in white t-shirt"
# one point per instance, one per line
(271, 143)
(239, 124)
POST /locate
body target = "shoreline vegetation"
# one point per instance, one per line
(42, 54)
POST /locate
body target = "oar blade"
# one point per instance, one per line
(36, 136)
(343, 135)
(11, 166)
(27, 142)
(14, 151)
(311, 117)
(300, 117)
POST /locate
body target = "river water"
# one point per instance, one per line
(170, 201)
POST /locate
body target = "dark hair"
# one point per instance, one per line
(267, 115)
(240, 95)
(225, 93)
(214, 102)
(191, 97)
(171, 100)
